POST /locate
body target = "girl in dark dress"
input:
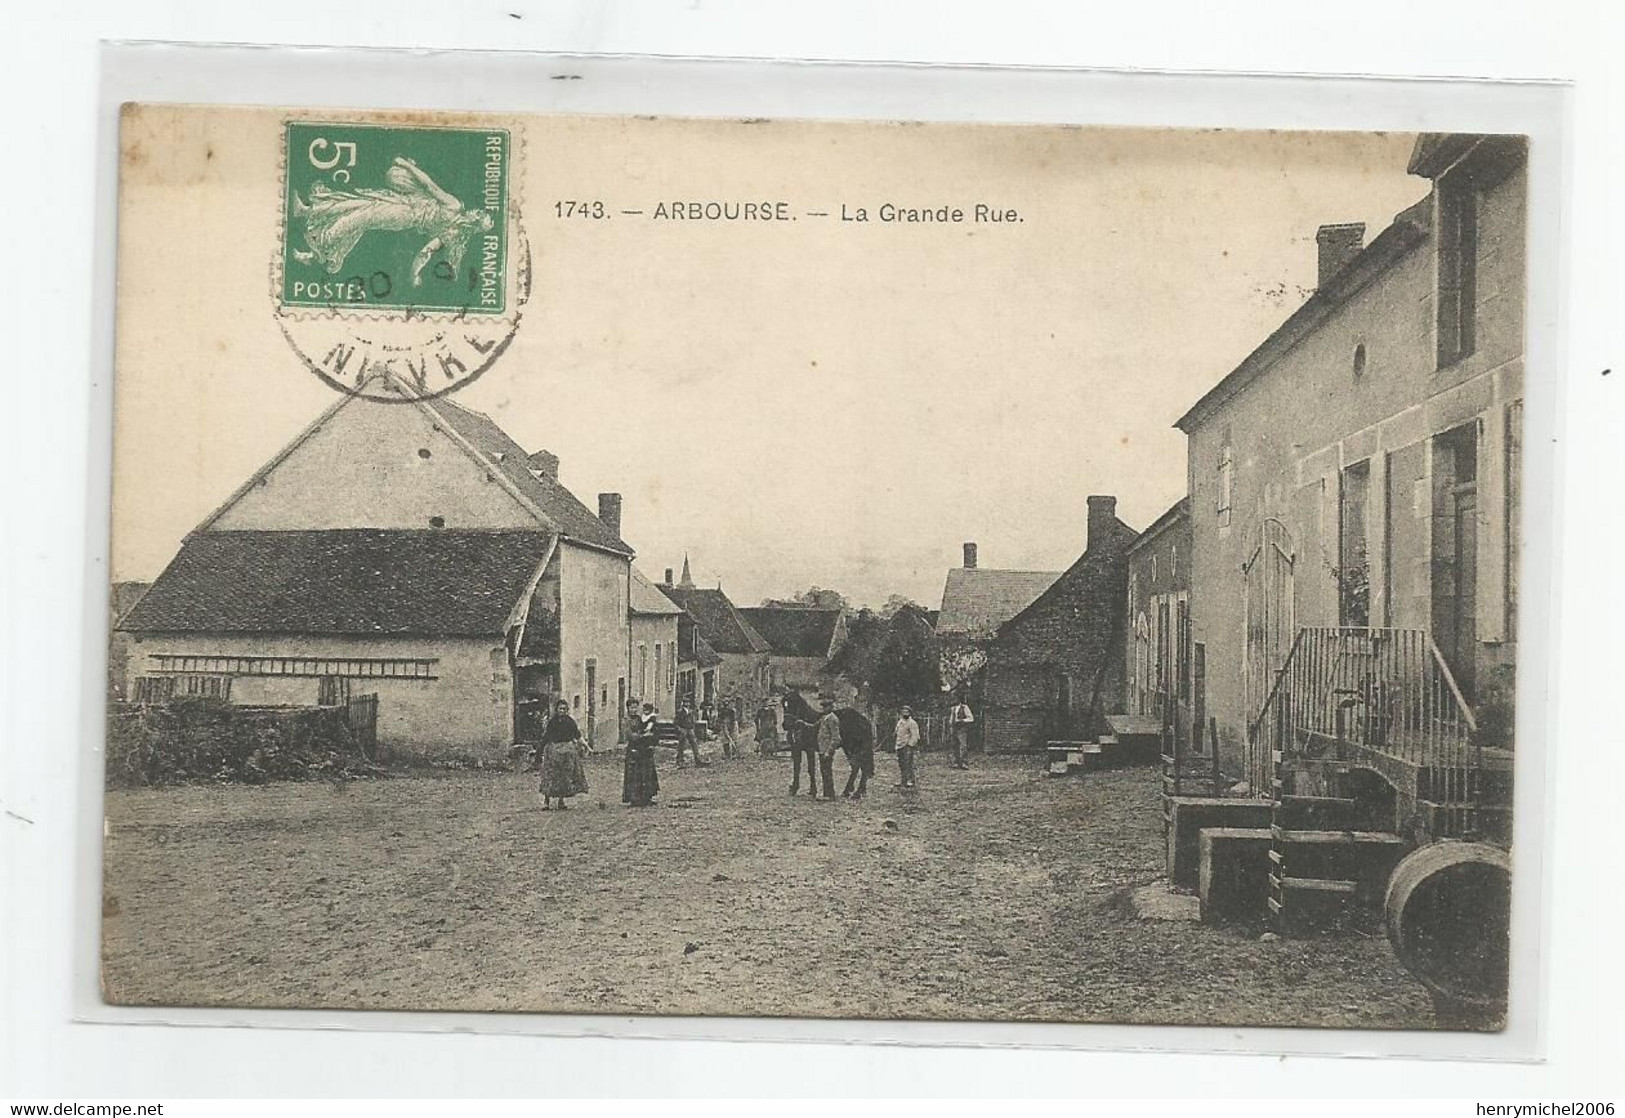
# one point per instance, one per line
(563, 775)
(641, 783)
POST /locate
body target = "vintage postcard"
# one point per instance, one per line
(640, 566)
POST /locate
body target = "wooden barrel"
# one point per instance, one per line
(1449, 910)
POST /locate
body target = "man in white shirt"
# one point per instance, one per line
(907, 737)
(960, 721)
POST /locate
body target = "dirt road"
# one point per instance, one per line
(995, 893)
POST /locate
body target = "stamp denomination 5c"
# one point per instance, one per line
(401, 262)
(395, 217)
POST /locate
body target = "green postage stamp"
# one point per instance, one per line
(395, 218)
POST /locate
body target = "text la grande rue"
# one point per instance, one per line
(981, 213)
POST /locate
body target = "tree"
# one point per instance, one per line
(816, 596)
(895, 602)
(822, 598)
(892, 660)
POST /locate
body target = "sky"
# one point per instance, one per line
(817, 402)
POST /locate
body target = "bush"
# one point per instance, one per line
(204, 739)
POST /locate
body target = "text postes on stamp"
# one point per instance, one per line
(396, 217)
(401, 257)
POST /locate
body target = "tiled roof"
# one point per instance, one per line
(792, 631)
(979, 601)
(1100, 552)
(718, 620)
(352, 581)
(573, 518)
(125, 595)
(648, 600)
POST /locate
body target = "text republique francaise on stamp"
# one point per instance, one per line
(400, 264)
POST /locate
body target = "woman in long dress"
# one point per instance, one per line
(563, 775)
(641, 783)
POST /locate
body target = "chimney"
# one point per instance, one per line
(545, 463)
(1338, 245)
(1102, 511)
(609, 511)
(970, 556)
(668, 576)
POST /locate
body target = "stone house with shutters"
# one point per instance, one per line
(1055, 669)
(443, 568)
(1163, 682)
(1361, 467)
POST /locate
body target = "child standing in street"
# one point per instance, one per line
(906, 735)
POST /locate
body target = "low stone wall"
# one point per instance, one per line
(199, 739)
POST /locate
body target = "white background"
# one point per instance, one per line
(49, 182)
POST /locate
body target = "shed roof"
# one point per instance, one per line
(346, 581)
(979, 600)
(795, 630)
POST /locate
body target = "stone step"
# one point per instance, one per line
(1300, 905)
(1234, 873)
(1313, 885)
(1334, 838)
(1492, 821)
(1316, 812)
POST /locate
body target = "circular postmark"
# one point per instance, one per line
(402, 270)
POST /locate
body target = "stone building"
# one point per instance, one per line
(975, 601)
(1055, 669)
(741, 671)
(1359, 470)
(1164, 681)
(409, 549)
(655, 622)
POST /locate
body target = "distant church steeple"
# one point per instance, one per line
(688, 579)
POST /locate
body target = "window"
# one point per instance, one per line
(643, 668)
(671, 666)
(1354, 567)
(1164, 637)
(1458, 268)
(1359, 361)
(1227, 469)
(659, 658)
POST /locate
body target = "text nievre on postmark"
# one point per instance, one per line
(400, 253)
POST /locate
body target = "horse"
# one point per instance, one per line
(857, 742)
